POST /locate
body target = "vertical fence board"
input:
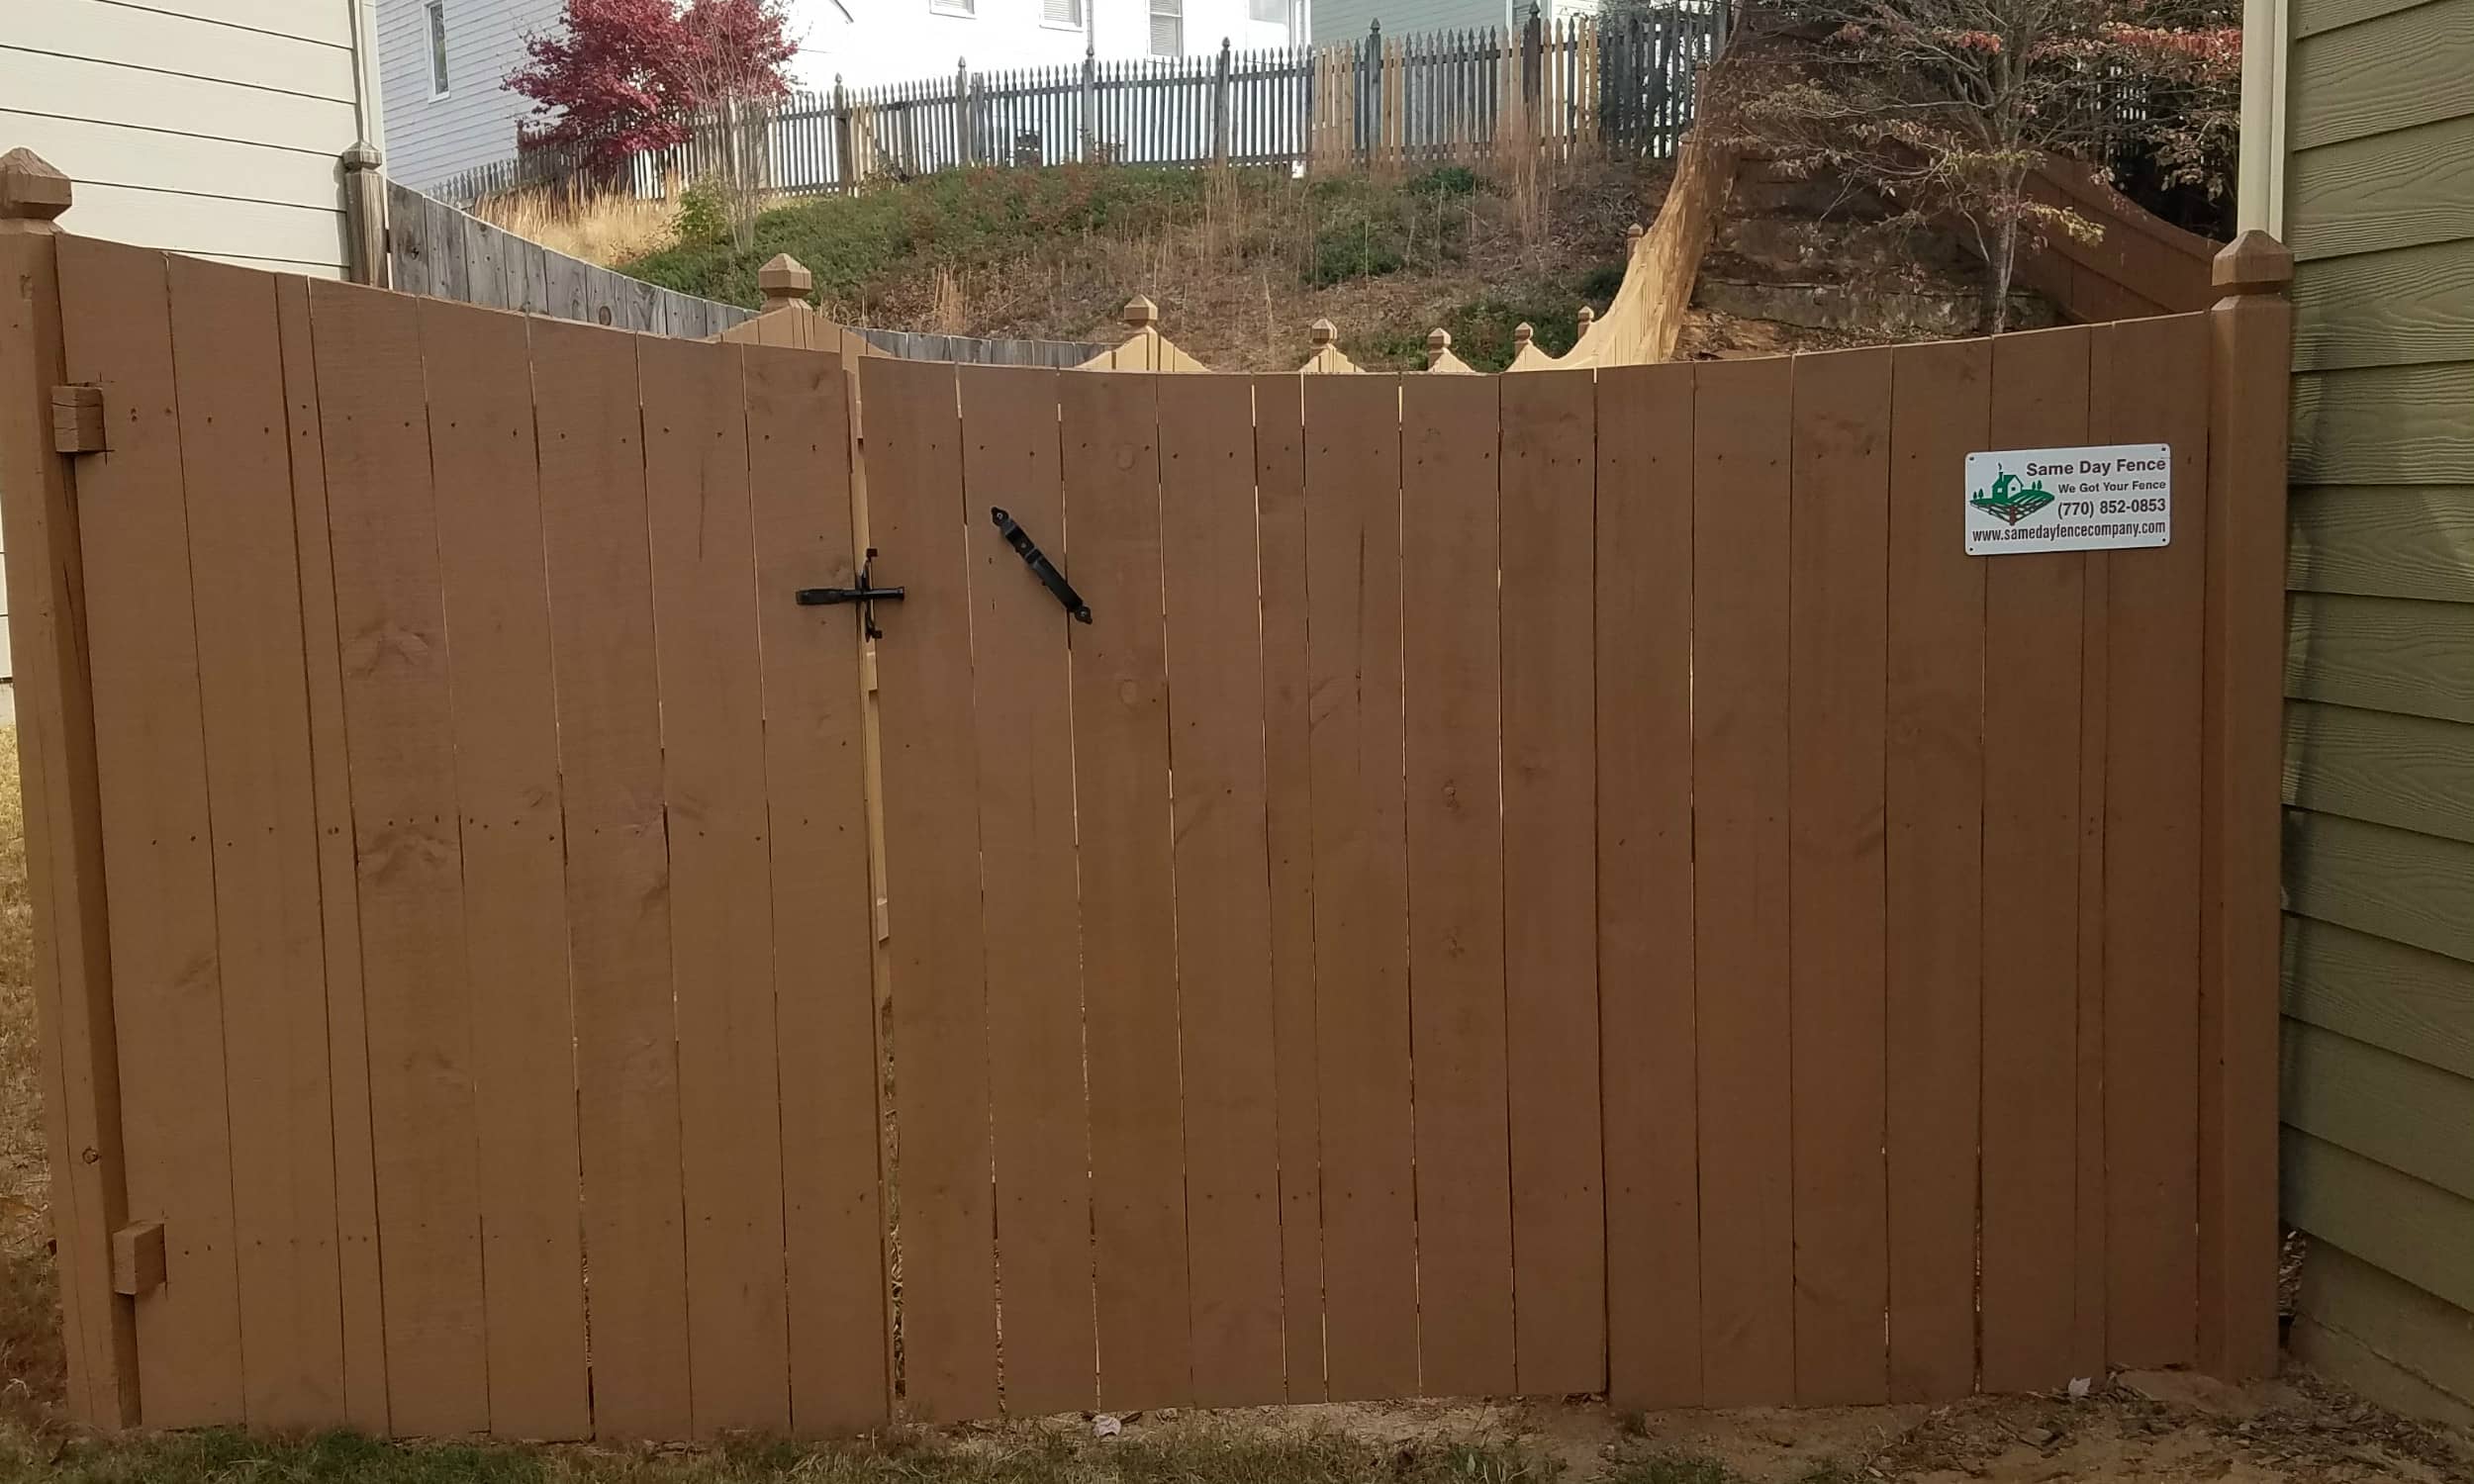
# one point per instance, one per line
(590, 431)
(1741, 436)
(228, 361)
(1288, 803)
(158, 858)
(1361, 889)
(1644, 585)
(1026, 748)
(932, 882)
(1935, 802)
(390, 612)
(1113, 479)
(483, 461)
(1838, 622)
(1223, 908)
(799, 478)
(2033, 617)
(1549, 878)
(702, 526)
(1450, 651)
(2154, 381)
(364, 1358)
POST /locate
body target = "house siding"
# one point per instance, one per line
(205, 127)
(474, 123)
(1348, 19)
(2375, 193)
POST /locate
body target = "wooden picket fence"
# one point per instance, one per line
(1555, 89)
(1538, 883)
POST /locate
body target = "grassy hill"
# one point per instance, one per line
(1240, 262)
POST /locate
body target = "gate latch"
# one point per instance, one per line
(867, 595)
(1037, 560)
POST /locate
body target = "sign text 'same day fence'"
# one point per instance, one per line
(2098, 499)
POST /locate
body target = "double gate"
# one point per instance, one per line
(1541, 884)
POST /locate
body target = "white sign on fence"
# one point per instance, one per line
(2026, 499)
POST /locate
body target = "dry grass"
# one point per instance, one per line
(605, 229)
(30, 1331)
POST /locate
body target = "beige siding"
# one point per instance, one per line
(208, 126)
(2378, 197)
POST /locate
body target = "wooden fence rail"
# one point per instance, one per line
(1832, 967)
(1563, 87)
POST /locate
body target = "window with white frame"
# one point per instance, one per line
(955, 7)
(1061, 12)
(434, 13)
(1268, 10)
(1168, 28)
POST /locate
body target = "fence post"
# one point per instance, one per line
(1091, 102)
(1369, 98)
(1220, 119)
(1532, 74)
(80, 1050)
(2242, 670)
(366, 214)
(966, 143)
(844, 156)
(785, 282)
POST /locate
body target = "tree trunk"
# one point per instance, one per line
(1999, 265)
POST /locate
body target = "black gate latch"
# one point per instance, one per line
(1037, 560)
(867, 595)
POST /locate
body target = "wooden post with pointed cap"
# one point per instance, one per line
(785, 282)
(55, 698)
(2242, 660)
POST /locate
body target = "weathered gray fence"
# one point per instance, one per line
(1567, 86)
(434, 249)
(921, 345)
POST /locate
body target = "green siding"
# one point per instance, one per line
(2379, 731)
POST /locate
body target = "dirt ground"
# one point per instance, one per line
(2169, 1428)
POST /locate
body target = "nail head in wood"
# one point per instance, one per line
(2253, 263)
(29, 189)
(138, 1266)
(78, 420)
(784, 280)
(1141, 312)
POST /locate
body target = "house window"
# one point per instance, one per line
(955, 7)
(1168, 28)
(435, 13)
(1061, 12)
(1268, 10)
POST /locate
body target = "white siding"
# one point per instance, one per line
(209, 126)
(474, 123)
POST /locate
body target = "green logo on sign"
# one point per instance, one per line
(2011, 502)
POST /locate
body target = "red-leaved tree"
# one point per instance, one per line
(620, 76)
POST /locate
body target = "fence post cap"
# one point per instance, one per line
(1141, 312)
(783, 279)
(1634, 233)
(1324, 332)
(2253, 263)
(1438, 344)
(361, 155)
(1588, 317)
(29, 189)
(1524, 333)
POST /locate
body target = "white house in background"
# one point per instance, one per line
(444, 62)
(1338, 21)
(208, 126)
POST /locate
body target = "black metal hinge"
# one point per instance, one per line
(867, 595)
(1037, 560)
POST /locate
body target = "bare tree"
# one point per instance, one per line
(736, 54)
(1947, 107)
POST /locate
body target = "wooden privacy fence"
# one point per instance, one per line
(1535, 883)
(1558, 88)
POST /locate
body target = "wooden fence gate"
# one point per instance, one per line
(1538, 883)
